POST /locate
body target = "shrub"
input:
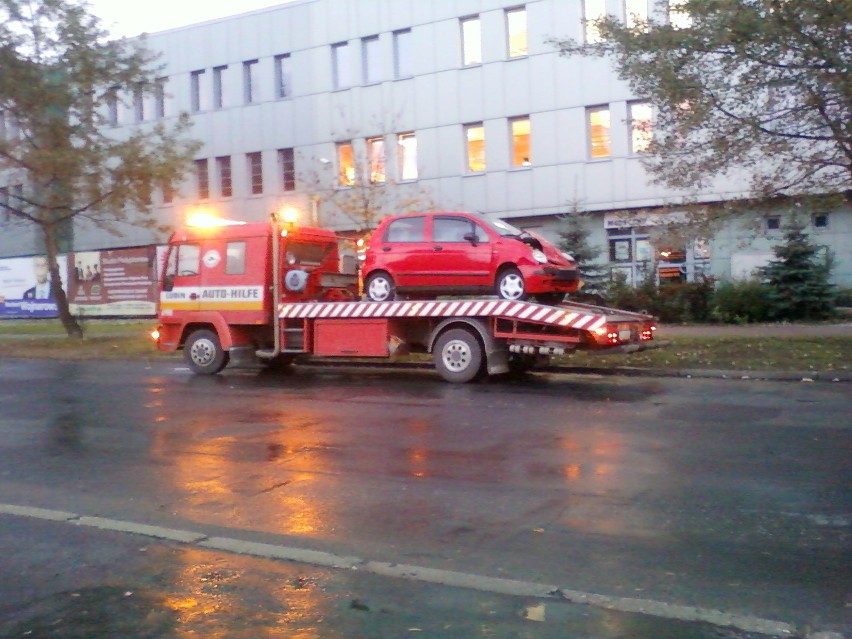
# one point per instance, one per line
(671, 302)
(741, 302)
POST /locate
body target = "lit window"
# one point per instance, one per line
(376, 155)
(218, 87)
(203, 179)
(255, 166)
(345, 164)
(341, 65)
(283, 76)
(406, 152)
(371, 59)
(223, 165)
(250, 86)
(516, 31)
(641, 126)
(599, 132)
(160, 98)
(475, 147)
(471, 41)
(635, 12)
(679, 17)
(520, 132)
(593, 10)
(402, 67)
(195, 90)
(287, 162)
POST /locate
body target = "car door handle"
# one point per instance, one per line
(386, 248)
(437, 248)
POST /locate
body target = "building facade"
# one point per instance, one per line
(446, 104)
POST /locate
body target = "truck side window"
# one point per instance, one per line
(235, 260)
(188, 259)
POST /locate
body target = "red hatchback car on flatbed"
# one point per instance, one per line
(456, 253)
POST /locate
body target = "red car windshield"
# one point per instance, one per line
(503, 228)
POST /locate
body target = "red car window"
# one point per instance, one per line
(454, 229)
(407, 229)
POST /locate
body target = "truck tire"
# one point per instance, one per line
(458, 355)
(380, 287)
(510, 285)
(203, 353)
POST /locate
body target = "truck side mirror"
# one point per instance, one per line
(168, 282)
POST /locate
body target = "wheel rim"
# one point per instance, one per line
(203, 352)
(379, 289)
(511, 286)
(456, 356)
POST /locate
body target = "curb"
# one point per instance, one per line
(685, 373)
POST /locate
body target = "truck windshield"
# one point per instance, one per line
(307, 254)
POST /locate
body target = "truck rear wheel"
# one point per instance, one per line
(203, 353)
(458, 355)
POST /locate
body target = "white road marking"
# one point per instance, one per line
(520, 588)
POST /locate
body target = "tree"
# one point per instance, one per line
(760, 86)
(363, 192)
(59, 71)
(798, 279)
(574, 238)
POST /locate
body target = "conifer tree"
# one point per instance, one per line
(574, 239)
(798, 279)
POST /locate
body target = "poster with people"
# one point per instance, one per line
(118, 282)
(25, 287)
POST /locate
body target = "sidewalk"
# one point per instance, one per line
(756, 330)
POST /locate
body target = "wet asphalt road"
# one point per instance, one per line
(723, 495)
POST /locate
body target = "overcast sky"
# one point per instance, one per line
(125, 18)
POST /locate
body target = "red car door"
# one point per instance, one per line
(461, 253)
(404, 251)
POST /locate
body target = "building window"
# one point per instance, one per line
(5, 215)
(138, 104)
(679, 17)
(345, 164)
(160, 98)
(287, 163)
(112, 106)
(406, 156)
(635, 13)
(402, 58)
(376, 157)
(195, 90)
(218, 87)
(203, 179)
(519, 129)
(283, 76)
(250, 87)
(474, 135)
(641, 126)
(471, 32)
(223, 165)
(516, 32)
(371, 59)
(593, 10)
(341, 65)
(599, 132)
(255, 166)
(821, 220)
(773, 223)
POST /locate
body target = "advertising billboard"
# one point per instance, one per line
(25, 287)
(118, 282)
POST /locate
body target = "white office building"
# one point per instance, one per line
(441, 104)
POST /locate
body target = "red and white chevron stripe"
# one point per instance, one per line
(529, 311)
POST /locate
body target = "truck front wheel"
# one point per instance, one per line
(203, 353)
(458, 355)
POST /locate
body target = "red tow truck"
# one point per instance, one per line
(276, 292)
